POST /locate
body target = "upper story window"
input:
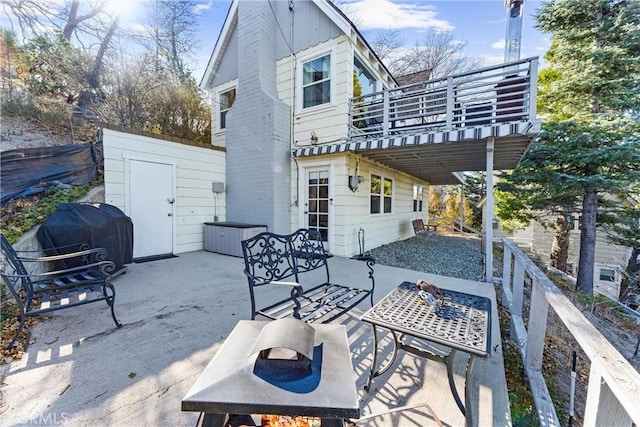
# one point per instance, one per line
(316, 81)
(418, 197)
(364, 82)
(381, 194)
(226, 100)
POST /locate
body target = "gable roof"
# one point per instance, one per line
(326, 6)
(221, 43)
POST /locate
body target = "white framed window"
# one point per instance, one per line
(381, 194)
(608, 274)
(418, 197)
(224, 98)
(226, 102)
(316, 81)
(367, 82)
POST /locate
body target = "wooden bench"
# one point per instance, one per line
(298, 262)
(87, 280)
(420, 227)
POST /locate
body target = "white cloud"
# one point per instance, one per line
(126, 10)
(139, 28)
(488, 59)
(201, 7)
(389, 15)
(498, 45)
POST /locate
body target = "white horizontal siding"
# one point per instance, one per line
(351, 211)
(329, 123)
(607, 255)
(196, 169)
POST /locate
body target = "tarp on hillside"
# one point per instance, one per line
(27, 171)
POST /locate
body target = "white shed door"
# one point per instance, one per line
(151, 199)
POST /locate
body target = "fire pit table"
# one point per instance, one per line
(242, 378)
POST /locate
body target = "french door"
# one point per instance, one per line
(317, 202)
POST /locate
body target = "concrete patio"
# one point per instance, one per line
(81, 370)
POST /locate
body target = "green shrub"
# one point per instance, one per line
(21, 215)
(18, 106)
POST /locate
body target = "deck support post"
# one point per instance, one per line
(488, 232)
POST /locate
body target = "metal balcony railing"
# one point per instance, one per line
(493, 95)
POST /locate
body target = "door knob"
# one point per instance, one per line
(169, 214)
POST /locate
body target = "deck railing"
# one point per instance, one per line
(497, 94)
(453, 225)
(614, 385)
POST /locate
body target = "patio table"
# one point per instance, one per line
(462, 323)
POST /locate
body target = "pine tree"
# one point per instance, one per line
(588, 150)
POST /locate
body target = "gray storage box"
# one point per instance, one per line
(225, 237)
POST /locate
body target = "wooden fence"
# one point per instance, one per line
(613, 394)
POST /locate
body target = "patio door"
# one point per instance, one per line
(318, 202)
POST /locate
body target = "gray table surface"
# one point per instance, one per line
(228, 383)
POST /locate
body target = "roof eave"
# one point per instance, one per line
(349, 28)
(221, 42)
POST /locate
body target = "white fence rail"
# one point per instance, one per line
(613, 394)
(454, 224)
(496, 94)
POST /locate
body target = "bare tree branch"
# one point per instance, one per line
(32, 16)
(387, 44)
(73, 20)
(438, 52)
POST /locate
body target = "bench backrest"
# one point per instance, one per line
(10, 262)
(272, 257)
(308, 250)
(418, 225)
(14, 274)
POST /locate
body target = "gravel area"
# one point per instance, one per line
(452, 255)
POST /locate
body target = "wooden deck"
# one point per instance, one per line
(438, 128)
(498, 94)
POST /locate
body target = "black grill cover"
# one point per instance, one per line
(98, 225)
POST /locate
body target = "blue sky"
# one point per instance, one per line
(481, 24)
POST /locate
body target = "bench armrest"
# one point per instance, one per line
(100, 253)
(296, 292)
(104, 267)
(76, 247)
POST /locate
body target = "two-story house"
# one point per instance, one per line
(311, 130)
(318, 133)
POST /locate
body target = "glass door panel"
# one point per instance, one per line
(317, 203)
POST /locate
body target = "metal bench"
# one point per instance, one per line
(298, 261)
(86, 280)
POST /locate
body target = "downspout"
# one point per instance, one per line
(292, 71)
